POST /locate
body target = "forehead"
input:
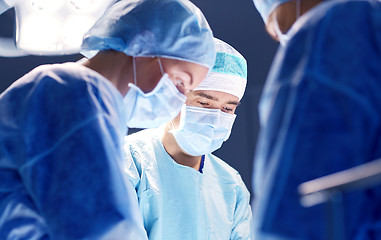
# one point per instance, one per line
(212, 95)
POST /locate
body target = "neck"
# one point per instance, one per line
(286, 15)
(174, 150)
(115, 66)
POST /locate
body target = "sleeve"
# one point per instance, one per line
(317, 118)
(130, 167)
(243, 220)
(73, 167)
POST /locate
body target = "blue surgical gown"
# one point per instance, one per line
(320, 113)
(61, 133)
(180, 203)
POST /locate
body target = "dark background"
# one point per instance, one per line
(234, 21)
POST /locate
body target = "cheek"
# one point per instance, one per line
(188, 102)
(176, 121)
(195, 83)
(190, 99)
(148, 82)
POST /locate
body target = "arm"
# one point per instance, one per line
(243, 221)
(130, 165)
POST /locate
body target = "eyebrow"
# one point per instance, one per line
(234, 103)
(201, 94)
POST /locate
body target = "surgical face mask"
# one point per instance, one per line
(150, 110)
(284, 37)
(50, 27)
(202, 130)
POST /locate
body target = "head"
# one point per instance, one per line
(225, 85)
(280, 15)
(174, 31)
(171, 47)
(219, 95)
(184, 75)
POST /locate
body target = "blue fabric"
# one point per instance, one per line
(61, 132)
(144, 28)
(202, 163)
(179, 202)
(320, 113)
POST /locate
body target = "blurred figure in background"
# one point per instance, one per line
(184, 191)
(62, 125)
(319, 114)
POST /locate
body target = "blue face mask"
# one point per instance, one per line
(150, 110)
(202, 130)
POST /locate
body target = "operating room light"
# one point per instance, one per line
(85, 5)
(50, 27)
(46, 5)
(72, 32)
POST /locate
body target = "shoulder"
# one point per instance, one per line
(71, 83)
(223, 171)
(338, 12)
(141, 138)
(69, 90)
(339, 18)
(64, 75)
(226, 176)
(52, 79)
(141, 145)
(331, 33)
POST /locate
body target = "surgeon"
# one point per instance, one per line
(62, 125)
(319, 113)
(184, 191)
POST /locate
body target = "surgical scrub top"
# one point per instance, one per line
(61, 133)
(178, 202)
(320, 113)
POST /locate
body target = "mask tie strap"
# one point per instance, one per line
(297, 9)
(173, 126)
(134, 66)
(161, 66)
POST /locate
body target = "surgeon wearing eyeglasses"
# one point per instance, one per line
(62, 125)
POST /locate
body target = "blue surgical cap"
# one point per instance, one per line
(229, 73)
(265, 7)
(174, 29)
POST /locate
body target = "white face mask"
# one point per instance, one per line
(202, 130)
(150, 110)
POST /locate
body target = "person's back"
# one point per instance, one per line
(320, 114)
(35, 143)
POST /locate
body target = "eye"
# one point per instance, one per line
(227, 109)
(182, 82)
(180, 86)
(203, 103)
